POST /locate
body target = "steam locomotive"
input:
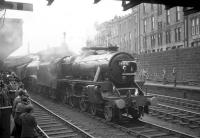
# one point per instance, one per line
(99, 80)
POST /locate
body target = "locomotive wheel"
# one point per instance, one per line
(67, 98)
(108, 113)
(83, 104)
(64, 100)
(93, 109)
(135, 115)
(52, 94)
(71, 101)
(117, 115)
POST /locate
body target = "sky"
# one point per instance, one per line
(44, 27)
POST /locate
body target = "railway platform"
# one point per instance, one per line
(191, 92)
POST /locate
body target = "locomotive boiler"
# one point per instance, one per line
(100, 80)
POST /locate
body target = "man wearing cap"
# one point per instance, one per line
(20, 108)
(17, 100)
(28, 123)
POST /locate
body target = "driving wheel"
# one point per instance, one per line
(108, 113)
(93, 109)
(71, 101)
(83, 104)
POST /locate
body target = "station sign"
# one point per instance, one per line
(16, 5)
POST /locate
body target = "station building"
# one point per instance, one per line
(192, 27)
(164, 39)
(150, 28)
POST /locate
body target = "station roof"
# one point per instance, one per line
(11, 28)
(127, 4)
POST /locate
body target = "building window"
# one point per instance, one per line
(145, 25)
(193, 26)
(135, 19)
(178, 14)
(152, 22)
(130, 36)
(160, 25)
(159, 9)
(152, 8)
(168, 16)
(145, 43)
(160, 39)
(125, 40)
(197, 25)
(168, 37)
(144, 8)
(130, 40)
(178, 34)
(153, 41)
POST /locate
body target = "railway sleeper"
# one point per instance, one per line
(37, 114)
(168, 118)
(183, 123)
(193, 126)
(195, 119)
(175, 118)
(194, 122)
(162, 116)
(66, 136)
(176, 121)
(50, 126)
(60, 132)
(185, 105)
(190, 121)
(47, 123)
(190, 117)
(43, 117)
(46, 120)
(181, 118)
(153, 134)
(56, 129)
(145, 130)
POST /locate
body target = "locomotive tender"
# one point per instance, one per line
(99, 80)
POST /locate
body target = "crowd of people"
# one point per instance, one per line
(13, 93)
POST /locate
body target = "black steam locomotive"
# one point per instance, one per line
(98, 80)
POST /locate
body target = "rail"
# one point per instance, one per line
(85, 134)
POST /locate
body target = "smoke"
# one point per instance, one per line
(55, 52)
(76, 18)
(10, 36)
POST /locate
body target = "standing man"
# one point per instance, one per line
(28, 123)
(174, 73)
(164, 76)
(142, 77)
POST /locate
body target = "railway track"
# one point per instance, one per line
(190, 105)
(141, 128)
(52, 125)
(176, 115)
(177, 110)
(145, 129)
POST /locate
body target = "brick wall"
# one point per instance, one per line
(186, 61)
